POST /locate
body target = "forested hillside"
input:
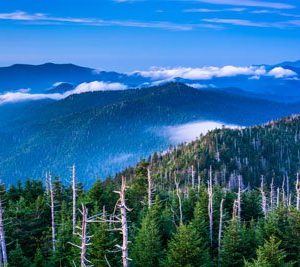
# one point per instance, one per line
(231, 198)
(104, 132)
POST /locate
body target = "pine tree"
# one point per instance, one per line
(39, 260)
(186, 249)
(17, 258)
(100, 245)
(238, 243)
(147, 248)
(270, 255)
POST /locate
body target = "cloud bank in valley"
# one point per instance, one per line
(157, 76)
(14, 97)
(190, 131)
(208, 73)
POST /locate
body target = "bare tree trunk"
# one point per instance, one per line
(272, 194)
(298, 193)
(220, 231)
(263, 197)
(149, 188)
(84, 238)
(278, 197)
(239, 199)
(123, 210)
(193, 177)
(283, 191)
(210, 206)
(179, 198)
(74, 197)
(52, 213)
(2, 236)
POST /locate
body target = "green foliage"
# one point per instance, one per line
(154, 234)
(17, 258)
(270, 255)
(147, 247)
(238, 244)
(186, 249)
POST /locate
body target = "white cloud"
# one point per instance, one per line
(249, 23)
(41, 17)
(57, 84)
(208, 10)
(96, 86)
(14, 97)
(200, 86)
(249, 3)
(190, 131)
(280, 72)
(204, 73)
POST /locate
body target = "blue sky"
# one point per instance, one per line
(128, 35)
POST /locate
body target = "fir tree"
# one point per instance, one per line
(186, 249)
(270, 255)
(147, 248)
(17, 258)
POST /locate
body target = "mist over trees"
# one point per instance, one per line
(230, 198)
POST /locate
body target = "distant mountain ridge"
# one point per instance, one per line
(104, 132)
(58, 78)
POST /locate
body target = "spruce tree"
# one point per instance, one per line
(238, 243)
(17, 258)
(186, 249)
(270, 255)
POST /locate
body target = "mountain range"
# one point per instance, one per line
(104, 132)
(279, 82)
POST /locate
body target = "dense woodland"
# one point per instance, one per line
(95, 129)
(231, 198)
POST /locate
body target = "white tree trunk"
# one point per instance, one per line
(210, 205)
(272, 194)
(239, 199)
(2, 236)
(123, 210)
(278, 197)
(283, 192)
(74, 197)
(220, 231)
(179, 199)
(263, 197)
(84, 237)
(149, 188)
(298, 193)
(193, 177)
(52, 213)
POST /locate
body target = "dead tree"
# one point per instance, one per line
(150, 187)
(193, 177)
(278, 197)
(298, 193)
(263, 197)
(52, 207)
(74, 197)
(210, 205)
(239, 198)
(123, 220)
(179, 198)
(84, 237)
(283, 192)
(220, 231)
(234, 210)
(272, 194)
(2, 236)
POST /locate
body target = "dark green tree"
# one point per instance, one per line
(186, 249)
